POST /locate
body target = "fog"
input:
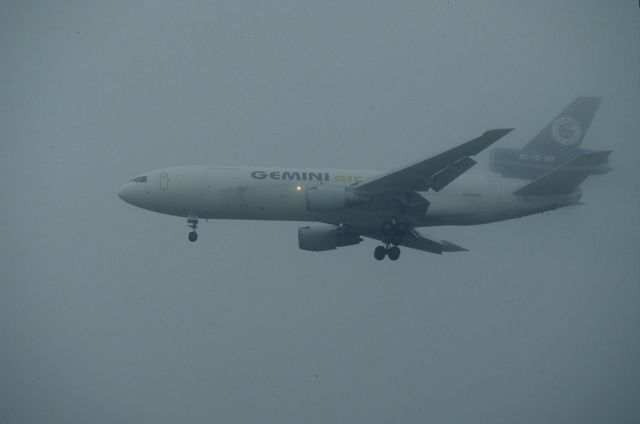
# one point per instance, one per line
(109, 314)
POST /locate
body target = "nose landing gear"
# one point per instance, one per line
(192, 222)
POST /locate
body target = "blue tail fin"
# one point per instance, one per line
(567, 130)
(556, 144)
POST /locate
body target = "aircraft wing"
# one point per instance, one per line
(435, 172)
(415, 240)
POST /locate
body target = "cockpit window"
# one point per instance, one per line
(142, 179)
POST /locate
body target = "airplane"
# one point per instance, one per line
(347, 205)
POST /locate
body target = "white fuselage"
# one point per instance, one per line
(279, 194)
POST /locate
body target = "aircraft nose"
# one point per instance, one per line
(125, 193)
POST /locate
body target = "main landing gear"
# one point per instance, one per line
(392, 233)
(192, 222)
(392, 252)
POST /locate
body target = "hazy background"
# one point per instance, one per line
(109, 314)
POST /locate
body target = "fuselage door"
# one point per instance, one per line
(164, 181)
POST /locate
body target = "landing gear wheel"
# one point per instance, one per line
(393, 253)
(192, 222)
(380, 252)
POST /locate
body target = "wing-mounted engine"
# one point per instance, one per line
(318, 238)
(326, 199)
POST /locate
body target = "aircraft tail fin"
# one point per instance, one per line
(557, 143)
(567, 177)
(567, 130)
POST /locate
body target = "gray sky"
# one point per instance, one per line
(108, 313)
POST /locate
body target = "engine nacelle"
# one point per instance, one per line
(326, 199)
(325, 237)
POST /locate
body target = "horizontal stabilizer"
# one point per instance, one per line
(567, 177)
